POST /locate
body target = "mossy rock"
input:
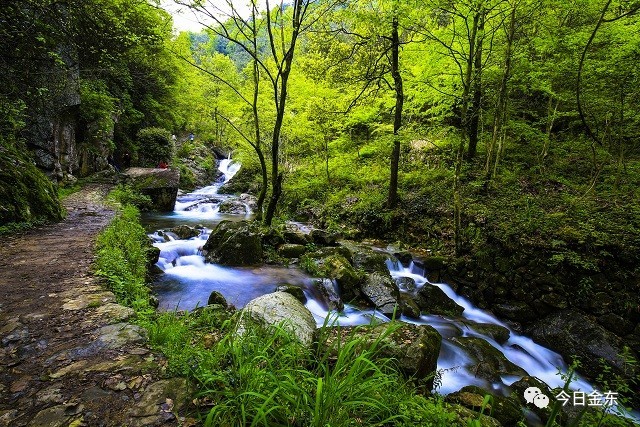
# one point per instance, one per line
(505, 409)
(234, 244)
(433, 300)
(26, 194)
(291, 250)
(296, 291)
(348, 279)
(489, 362)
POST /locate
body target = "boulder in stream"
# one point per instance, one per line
(338, 267)
(294, 290)
(433, 300)
(488, 362)
(326, 288)
(185, 232)
(366, 258)
(216, 298)
(234, 244)
(504, 409)
(572, 333)
(161, 185)
(415, 348)
(323, 237)
(291, 250)
(234, 206)
(381, 291)
(280, 308)
(499, 333)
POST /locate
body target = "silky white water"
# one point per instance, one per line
(189, 280)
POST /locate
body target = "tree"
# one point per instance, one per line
(283, 26)
(368, 37)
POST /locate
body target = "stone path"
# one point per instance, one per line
(68, 357)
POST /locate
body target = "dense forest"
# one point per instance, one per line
(498, 139)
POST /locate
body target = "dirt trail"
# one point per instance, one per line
(68, 357)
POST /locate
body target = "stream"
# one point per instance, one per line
(188, 281)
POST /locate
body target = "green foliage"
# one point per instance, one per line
(126, 195)
(121, 259)
(154, 145)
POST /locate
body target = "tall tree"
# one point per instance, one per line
(284, 24)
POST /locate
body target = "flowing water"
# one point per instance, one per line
(188, 280)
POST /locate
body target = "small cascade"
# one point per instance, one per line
(189, 280)
(204, 203)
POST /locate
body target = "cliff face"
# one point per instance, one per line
(58, 137)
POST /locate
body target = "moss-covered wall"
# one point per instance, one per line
(26, 194)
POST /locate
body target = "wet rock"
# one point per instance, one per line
(572, 333)
(234, 206)
(489, 362)
(519, 388)
(290, 250)
(433, 300)
(217, 298)
(159, 402)
(516, 311)
(296, 291)
(50, 395)
(348, 279)
(408, 307)
(366, 258)
(56, 416)
(185, 232)
(404, 257)
(279, 307)
(432, 263)
(326, 288)
(250, 201)
(295, 236)
(406, 283)
(504, 409)
(234, 244)
(616, 324)
(554, 300)
(323, 237)
(331, 250)
(153, 255)
(381, 291)
(499, 333)
(415, 348)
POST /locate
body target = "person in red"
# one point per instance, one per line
(163, 164)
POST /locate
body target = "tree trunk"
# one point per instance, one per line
(457, 197)
(392, 199)
(257, 146)
(500, 114)
(281, 100)
(474, 119)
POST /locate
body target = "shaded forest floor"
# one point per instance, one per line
(68, 357)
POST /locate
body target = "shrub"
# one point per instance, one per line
(122, 259)
(154, 145)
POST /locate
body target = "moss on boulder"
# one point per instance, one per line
(26, 194)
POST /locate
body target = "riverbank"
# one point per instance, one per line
(69, 355)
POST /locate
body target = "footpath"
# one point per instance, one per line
(68, 356)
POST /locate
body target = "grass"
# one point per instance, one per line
(264, 377)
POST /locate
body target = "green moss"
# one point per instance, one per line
(26, 195)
